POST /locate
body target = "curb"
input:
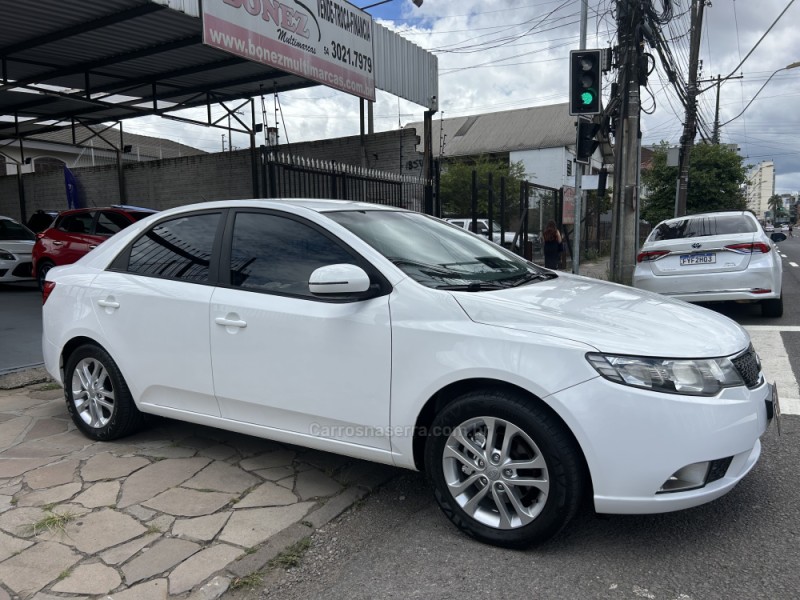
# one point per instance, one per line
(23, 377)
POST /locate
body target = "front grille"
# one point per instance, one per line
(749, 367)
(718, 468)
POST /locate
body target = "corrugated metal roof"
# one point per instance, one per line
(105, 60)
(395, 59)
(507, 131)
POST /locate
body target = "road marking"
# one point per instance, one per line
(792, 328)
(776, 365)
(794, 264)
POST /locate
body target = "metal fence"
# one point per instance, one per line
(287, 176)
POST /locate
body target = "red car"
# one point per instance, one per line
(76, 232)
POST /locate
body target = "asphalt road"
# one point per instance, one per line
(20, 326)
(397, 544)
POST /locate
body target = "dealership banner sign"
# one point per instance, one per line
(328, 41)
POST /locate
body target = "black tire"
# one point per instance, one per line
(548, 511)
(41, 272)
(772, 308)
(98, 399)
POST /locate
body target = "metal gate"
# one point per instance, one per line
(287, 176)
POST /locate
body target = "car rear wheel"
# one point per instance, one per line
(98, 399)
(41, 272)
(504, 469)
(772, 308)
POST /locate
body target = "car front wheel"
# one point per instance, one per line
(98, 399)
(504, 469)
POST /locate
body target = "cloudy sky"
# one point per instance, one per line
(504, 54)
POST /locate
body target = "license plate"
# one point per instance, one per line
(698, 259)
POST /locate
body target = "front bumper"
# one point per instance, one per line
(635, 440)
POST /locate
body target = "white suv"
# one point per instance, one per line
(713, 257)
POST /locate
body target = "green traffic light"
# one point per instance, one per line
(587, 97)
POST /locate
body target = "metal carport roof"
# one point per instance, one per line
(109, 60)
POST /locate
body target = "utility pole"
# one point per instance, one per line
(718, 84)
(690, 125)
(628, 141)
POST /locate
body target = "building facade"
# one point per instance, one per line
(760, 188)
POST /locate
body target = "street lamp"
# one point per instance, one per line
(418, 3)
(786, 68)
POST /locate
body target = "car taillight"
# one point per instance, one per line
(651, 255)
(749, 248)
(47, 289)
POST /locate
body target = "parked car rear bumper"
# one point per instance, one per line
(759, 283)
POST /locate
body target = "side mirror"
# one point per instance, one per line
(339, 280)
(778, 236)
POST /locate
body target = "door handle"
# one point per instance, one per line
(92, 246)
(230, 322)
(108, 303)
(57, 243)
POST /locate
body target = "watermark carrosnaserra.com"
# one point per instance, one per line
(366, 431)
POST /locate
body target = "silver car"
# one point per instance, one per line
(16, 244)
(713, 257)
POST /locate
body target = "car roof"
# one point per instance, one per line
(113, 207)
(314, 204)
(724, 213)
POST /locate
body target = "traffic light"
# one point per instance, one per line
(584, 82)
(586, 144)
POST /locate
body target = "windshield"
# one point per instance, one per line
(437, 254)
(13, 231)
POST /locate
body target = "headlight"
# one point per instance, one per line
(6, 255)
(700, 377)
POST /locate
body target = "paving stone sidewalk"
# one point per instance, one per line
(175, 511)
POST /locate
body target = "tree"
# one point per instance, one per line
(775, 204)
(456, 186)
(716, 177)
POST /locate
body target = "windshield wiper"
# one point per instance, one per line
(421, 265)
(473, 286)
(531, 277)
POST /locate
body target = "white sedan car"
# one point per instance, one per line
(391, 336)
(713, 257)
(16, 245)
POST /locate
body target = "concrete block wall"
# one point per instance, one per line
(177, 181)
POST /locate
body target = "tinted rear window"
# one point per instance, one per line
(703, 226)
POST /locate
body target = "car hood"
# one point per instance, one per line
(17, 246)
(609, 317)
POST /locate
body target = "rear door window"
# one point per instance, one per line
(179, 248)
(78, 223)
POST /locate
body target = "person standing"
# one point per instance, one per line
(552, 245)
